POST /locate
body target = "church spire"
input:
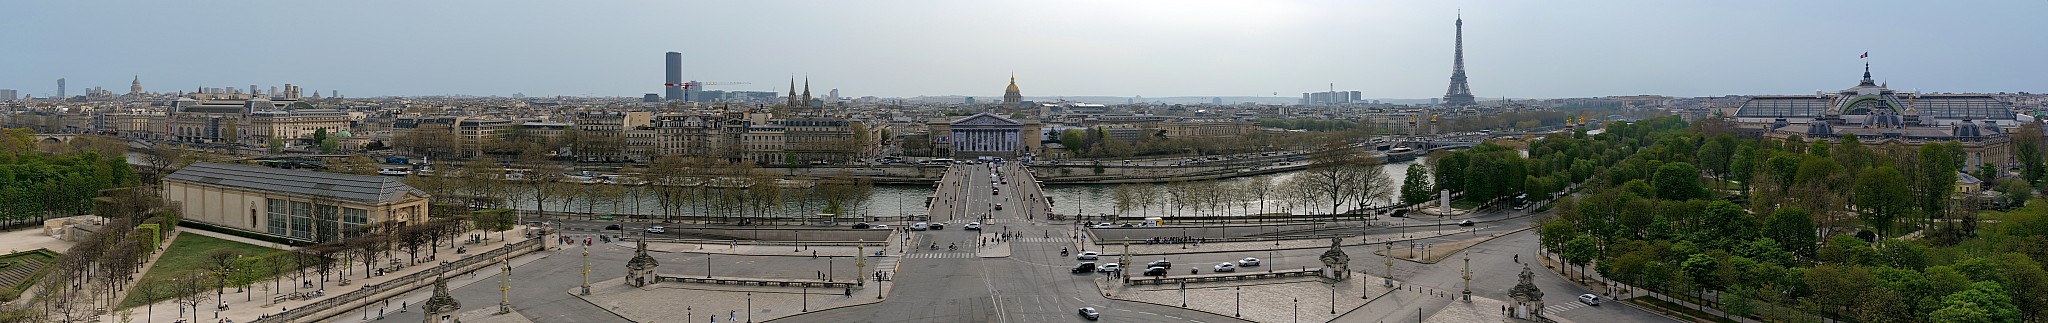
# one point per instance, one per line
(807, 91)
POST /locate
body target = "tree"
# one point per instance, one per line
(1793, 229)
(319, 135)
(1881, 198)
(275, 145)
(1416, 189)
(1679, 182)
(1982, 302)
(1580, 251)
(2028, 149)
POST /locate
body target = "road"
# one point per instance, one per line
(1033, 284)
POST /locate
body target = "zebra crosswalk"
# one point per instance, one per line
(942, 255)
(1039, 239)
(1559, 308)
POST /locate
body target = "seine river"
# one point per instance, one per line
(893, 200)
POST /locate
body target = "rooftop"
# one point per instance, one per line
(372, 189)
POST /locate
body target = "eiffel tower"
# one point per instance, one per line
(1459, 94)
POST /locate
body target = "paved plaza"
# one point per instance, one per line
(988, 276)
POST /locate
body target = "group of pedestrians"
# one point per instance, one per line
(571, 240)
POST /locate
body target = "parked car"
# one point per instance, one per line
(1225, 267)
(1162, 263)
(920, 226)
(1248, 262)
(1090, 313)
(1590, 299)
(657, 229)
(1155, 271)
(1084, 267)
(1087, 255)
(1109, 267)
(973, 226)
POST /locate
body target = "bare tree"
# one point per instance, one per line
(191, 290)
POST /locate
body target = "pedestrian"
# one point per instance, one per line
(732, 315)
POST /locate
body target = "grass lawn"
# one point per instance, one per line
(1464, 204)
(188, 254)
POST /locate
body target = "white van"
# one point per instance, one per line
(920, 226)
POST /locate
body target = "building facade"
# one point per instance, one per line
(1877, 115)
(984, 134)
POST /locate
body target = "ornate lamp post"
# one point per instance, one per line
(586, 271)
(1468, 277)
(505, 288)
(1388, 255)
(860, 262)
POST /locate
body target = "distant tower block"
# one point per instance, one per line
(1460, 94)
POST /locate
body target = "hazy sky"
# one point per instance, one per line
(1114, 48)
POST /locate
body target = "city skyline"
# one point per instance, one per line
(1150, 49)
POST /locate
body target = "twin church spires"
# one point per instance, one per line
(805, 100)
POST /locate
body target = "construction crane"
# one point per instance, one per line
(696, 84)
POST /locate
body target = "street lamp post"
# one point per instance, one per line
(586, 271)
(750, 307)
(505, 289)
(1297, 310)
(1333, 297)
(1468, 277)
(1388, 255)
(1239, 305)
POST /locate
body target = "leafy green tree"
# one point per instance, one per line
(1983, 302)
(1448, 171)
(1416, 188)
(276, 145)
(1678, 181)
(1716, 154)
(1580, 251)
(1881, 198)
(319, 135)
(1793, 229)
(1742, 166)
(1845, 249)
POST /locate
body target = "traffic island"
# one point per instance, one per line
(1261, 300)
(658, 302)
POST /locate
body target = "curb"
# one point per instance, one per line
(1447, 253)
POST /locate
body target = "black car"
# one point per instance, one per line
(613, 227)
(1155, 271)
(1465, 223)
(862, 225)
(1086, 267)
(938, 226)
(1162, 263)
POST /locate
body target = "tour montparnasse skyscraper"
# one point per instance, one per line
(1459, 94)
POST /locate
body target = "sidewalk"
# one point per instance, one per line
(248, 304)
(1264, 300)
(1223, 247)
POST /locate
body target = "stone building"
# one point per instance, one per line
(984, 134)
(292, 204)
(1876, 115)
(1528, 301)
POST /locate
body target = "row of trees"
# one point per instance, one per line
(1768, 228)
(1335, 180)
(678, 185)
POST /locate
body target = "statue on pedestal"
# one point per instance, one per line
(1335, 262)
(1528, 301)
(640, 270)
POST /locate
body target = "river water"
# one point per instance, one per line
(894, 200)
